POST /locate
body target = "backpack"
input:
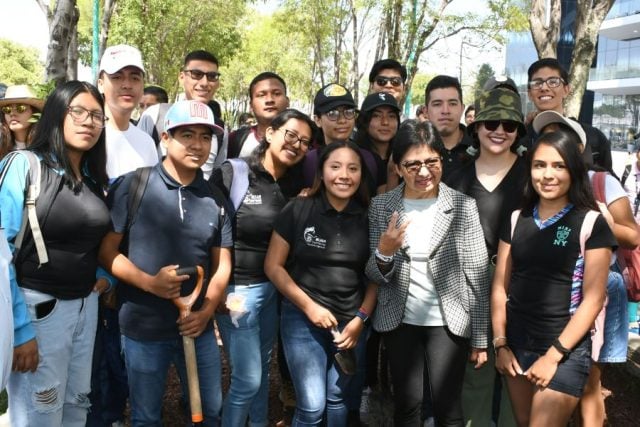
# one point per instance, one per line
(236, 141)
(29, 213)
(629, 259)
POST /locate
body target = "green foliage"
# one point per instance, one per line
(4, 400)
(19, 64)
(617, 111)
(420, 82)
(484, 74)
(166, 31)
(85, 30)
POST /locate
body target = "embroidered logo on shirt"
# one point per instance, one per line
(561, 236)
(312, 240)
(252, 199)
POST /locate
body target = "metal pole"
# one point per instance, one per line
(409, 65)
(95, 48)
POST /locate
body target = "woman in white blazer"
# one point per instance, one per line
(429, 258)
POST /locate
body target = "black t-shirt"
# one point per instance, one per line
(546, 275)
(328, 252)
(253, 222)
(72, 230)
(457, 157)
(494, 207)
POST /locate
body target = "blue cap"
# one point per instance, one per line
(184, 113)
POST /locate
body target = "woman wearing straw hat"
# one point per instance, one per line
(17, 117)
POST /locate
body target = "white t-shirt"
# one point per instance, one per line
(128, 151)
(249, 145)
(423, 306)
(6, 313)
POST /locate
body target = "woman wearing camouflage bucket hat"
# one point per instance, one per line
(495, 179)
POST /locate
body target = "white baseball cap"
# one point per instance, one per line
(115, 58)
(190, 112)
(547, 117)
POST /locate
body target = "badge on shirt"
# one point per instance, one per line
(312, 240)
(252, 199)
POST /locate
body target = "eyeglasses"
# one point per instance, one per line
(414, 166)
(551, 82)
(290, 137)
(80, 114)
(347, 113)
(19, 108)
(508, 126)
(382, 81)
(212, 76)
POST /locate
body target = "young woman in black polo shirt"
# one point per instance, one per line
(546, 292)
(249, 339)
(323, 242)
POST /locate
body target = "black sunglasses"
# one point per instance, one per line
(212, 76)
(382, 81)
(508, 126)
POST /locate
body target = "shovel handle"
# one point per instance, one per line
(195, 402)
(184, 303)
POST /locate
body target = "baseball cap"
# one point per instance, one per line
(499, 104)
(190, 112)
(500, 81)
(115, 58)
(547, 117)
(375, 100)
(331, 96)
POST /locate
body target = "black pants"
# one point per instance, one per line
(410, 350)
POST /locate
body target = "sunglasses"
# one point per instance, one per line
(212, 76)
(507, 126)
(382, 81)
(19, 108)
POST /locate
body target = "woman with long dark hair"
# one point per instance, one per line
(249, 333)
(316, 259)
(549, 285)
(56, 323)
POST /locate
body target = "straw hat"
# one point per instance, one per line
(21, 94)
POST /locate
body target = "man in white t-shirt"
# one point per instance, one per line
(121, 80)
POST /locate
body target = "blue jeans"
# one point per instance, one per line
(319, 383)
(56, 394)
(147, 364)
(616, 332)
(248, 347)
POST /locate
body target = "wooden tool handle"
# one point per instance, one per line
(192, 379)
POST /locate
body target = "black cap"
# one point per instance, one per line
(375, 100)
(331, 96)
(495, 82)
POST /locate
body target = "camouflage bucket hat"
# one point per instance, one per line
(499, 104)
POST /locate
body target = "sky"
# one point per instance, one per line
(23, 21)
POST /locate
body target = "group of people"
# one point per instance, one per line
(348, 234)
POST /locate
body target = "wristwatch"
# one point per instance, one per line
(385, 259)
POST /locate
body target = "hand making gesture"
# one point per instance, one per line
(393, 237)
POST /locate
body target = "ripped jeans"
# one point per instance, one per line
(56, 393)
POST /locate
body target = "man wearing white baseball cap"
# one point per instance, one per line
(121, 80)
(179, 222)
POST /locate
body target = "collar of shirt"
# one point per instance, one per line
(198, 182)
(353, 207)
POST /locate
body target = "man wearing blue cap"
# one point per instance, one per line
(179, 222)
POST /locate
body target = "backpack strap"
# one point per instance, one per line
(598, 185)
(625, 174)
(137, 188)
(587, 228)
(158, 128)
(239, 182)
(514, 220)
(29, 214)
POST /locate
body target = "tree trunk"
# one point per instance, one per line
(107, 12)
(61, 28)
(589, 17)
(72, 51)
(545, 27)
(355, 71)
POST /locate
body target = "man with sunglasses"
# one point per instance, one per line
(443, 100)
(200, 80)
(389, 76)
(548, 86)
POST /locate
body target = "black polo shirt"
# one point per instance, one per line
(457, 157)
(175, 224)
(253, 222)
(328, 251)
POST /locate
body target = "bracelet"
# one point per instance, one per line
(561, 349)
(497, 349)
(385, 259)
(496, 339)
(362, 315)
